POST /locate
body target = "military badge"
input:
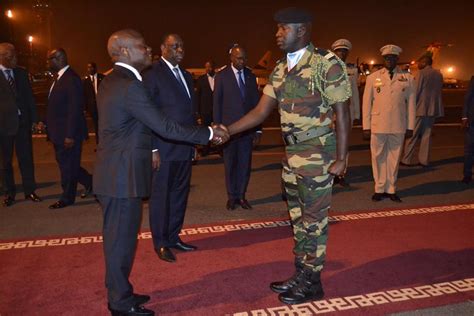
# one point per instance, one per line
(378, 84)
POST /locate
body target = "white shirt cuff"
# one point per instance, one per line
(212, 133)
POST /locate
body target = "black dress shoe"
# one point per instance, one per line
(33, 197)
(394, 197)
(377, 197)
(466, 180)
(231, 204)
(133, 311)
(58, 204)
(165, 254)
(245, 204)
(180, 245)
(86, 192)
(8, 201)
(141, 299)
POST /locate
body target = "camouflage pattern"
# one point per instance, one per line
(308, 184)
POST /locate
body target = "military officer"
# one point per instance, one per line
(308, 86)
(388, 110)
(341, 48)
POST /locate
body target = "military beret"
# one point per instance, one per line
(390, 50)
(341, 43)
(293, 15)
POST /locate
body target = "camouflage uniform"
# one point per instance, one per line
(303, 105)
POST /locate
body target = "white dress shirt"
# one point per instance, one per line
(211, 81)
(237, 74)
(292, 59)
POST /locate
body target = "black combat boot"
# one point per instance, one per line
(309, 288)
(284, 286)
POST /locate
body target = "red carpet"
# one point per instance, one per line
(375, 266)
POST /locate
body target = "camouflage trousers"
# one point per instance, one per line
(308, 187)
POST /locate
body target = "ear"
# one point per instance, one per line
(301, 31)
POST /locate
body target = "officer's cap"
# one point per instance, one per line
(293, 15)
(341, 43)
(390, 50)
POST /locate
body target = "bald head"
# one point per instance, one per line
(238, 57)
(7, 55)
(128, 46)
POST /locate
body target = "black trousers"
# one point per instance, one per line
(122, 218)
(22, 144)
(168, 200)
(468, 151)
(238, 164)
(95, 120)
(69, 161)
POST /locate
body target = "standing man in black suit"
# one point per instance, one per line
(467, 124)
(235, 94)
(91, 83)
(204, 95)
(67, 127)
(17, 118)
(122, 174)
(171, 89)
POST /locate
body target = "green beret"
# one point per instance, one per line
(293, 15)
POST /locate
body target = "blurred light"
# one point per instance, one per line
(9, 14)
(450, 69)
(30, 39)
(372, 62)
(412, 62)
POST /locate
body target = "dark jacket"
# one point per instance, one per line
(468, 108)
(171, 98)
(11, 101)
(127, 117)
(204, 98)
(90, 103)
(65, 117)
(229, 106)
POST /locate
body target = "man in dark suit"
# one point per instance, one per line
(122, 174)
(67, 127)
(17, 118)
(171, 89)
(468, 126)
(235, 94)
(91, 84)
(204, 93)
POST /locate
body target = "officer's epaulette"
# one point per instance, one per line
(325, 53)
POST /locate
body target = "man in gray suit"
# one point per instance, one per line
(429, 83)
(468, 126)
(123, 168)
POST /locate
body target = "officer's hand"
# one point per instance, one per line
(366, 134)
(464, 123)
(337, 167)
(409, 133)
(155, 160)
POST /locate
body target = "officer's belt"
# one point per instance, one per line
(299, 137)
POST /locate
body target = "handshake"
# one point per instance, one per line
(221, 134)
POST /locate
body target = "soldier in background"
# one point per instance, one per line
(429, 106)
(341, 48)
(307, 86)
(388, 110)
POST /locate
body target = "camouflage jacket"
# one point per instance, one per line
(306, 92)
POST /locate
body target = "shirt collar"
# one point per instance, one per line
(132, 69)
(235, 69)
(62, 71)
(299, 52)
(3, 68)
(169, 64)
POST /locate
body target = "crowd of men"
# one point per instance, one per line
(144, 117)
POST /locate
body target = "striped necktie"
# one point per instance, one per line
(241, 83)
(10, 79)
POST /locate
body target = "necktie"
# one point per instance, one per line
(178, 77)
(11, 80)
(391, 74)
(241, 83)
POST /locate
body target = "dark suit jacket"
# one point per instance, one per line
(11, 101)
(89, 93)
(65, 117)
(204, 97)
(468, 108)
(167, 93)
(127, 117)
(229, 106)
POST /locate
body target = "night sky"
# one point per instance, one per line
(208, 27)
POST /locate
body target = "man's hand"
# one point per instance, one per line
(366, 134)
(221, 134)
(464, 123)
(256, 139)
(68, 143)
(337, 167)
(156, 160)
(409, 134)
